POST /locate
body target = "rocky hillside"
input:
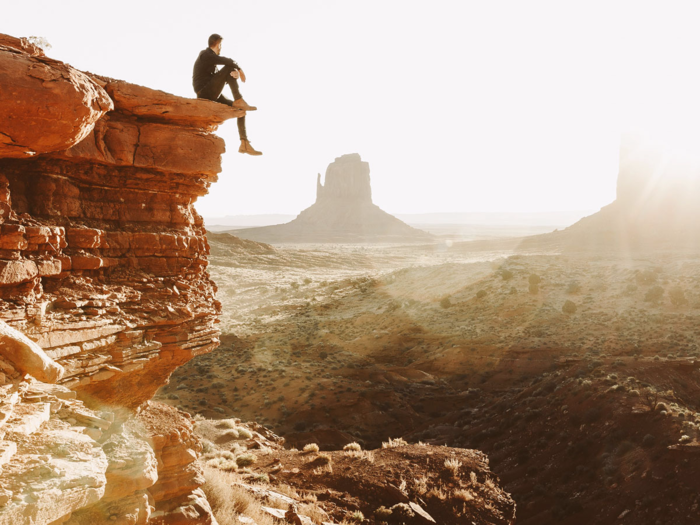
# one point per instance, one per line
(104, 291)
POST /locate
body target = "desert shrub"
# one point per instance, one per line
(382, 513)
(357, 517)
(322, 459)
(481, 294)
(244, 433)
(654, 294)
(574, 287)
(445, 302)
(453, 465)
(311, 448)
(647, 277)
(228, 500)
(677, 296)
(402, 512)
(648, 441)
(398, 442)
(230, 435)
(222, 464)
(354, 447)
(569, 307)
(592, 415)
(534, 279)
(506, 275)
(208, 447)
(245, 460)
(261, 478)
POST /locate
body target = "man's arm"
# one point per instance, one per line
(224, 61)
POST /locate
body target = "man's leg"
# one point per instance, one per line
(241, 120)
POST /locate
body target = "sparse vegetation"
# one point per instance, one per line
(654, 294)
(398, 442)
(245, 460)
(677, 296)
(453, 465)
(569, 307)
(311, 448)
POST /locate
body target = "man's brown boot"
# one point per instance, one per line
(247, 148)
(242, 104)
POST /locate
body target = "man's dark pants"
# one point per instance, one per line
(213, 89)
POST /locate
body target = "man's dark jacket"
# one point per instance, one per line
(205, 67)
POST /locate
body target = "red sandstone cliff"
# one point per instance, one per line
(104, 290)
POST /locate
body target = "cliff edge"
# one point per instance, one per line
(104, 291)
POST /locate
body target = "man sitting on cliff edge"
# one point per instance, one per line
(208, 83)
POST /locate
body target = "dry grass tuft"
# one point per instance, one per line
(366, 455)
(317, 514)
(245, 459)
(322, 459)
(453, 466)
(398, 442)
(311, 448)
(229, 501)
(354, 447)
(464, 494)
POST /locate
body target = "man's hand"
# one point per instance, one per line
(234, 74)
(242, 74)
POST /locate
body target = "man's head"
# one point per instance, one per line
(215, 43)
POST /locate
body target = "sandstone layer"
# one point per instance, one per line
(343, 212)
(103, 290)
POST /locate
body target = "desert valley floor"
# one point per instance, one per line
(575, 373)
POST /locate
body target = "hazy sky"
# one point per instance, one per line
(458, 106)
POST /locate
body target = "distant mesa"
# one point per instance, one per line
(657, 205)
(343, 213)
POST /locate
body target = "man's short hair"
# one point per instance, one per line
(215, 39)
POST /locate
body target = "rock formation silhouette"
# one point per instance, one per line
(343, 212)
(658, 191)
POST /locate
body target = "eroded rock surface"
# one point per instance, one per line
(45, 105)
(103, 289)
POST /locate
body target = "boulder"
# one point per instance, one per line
(27, 356)
(45, 105)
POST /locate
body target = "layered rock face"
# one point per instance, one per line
(103, 287)
(343, 212)
(658, 191)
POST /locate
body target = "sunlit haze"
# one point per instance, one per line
(457, 106)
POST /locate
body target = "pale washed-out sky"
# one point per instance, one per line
(459, 106)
